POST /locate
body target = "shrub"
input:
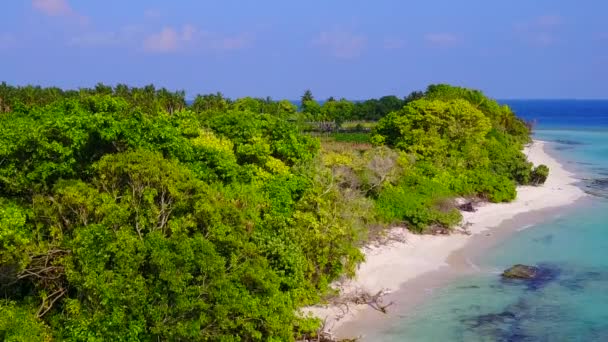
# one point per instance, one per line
(418, 204)
(539, 175)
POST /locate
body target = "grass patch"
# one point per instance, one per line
(363, 125)
(361, 138)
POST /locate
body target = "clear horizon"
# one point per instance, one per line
(355, 50)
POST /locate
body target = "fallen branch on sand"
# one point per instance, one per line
(374, 301)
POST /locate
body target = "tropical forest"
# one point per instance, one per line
(136, 214)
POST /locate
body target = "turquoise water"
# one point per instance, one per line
(570, 303)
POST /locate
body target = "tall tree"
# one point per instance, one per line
(307, 96)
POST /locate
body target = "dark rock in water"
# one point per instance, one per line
(506, 325)
(494, 318)
(534, 278)
(579, 280)
(596, 193)
(469, 287)
(568, 142)
(467, 207)
(546, 274)
(521, 272)
(502, 326)
(597, 187)
(600, 183)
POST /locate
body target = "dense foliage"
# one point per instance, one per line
(343, 110)
(458, 143)
(127, 214)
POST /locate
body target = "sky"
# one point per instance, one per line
(353, 49)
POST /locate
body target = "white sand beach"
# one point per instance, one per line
(388, 267)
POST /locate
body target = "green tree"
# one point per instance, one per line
(337, 111)
(307, 96)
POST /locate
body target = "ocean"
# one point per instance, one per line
(570, 302)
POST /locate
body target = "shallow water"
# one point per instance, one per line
(570, 302)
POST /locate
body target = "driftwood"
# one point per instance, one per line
(361, 297)
(343, 303)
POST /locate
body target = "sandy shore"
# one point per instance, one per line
(388, 267)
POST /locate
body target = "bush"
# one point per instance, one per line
(539, 175)
(418, 205)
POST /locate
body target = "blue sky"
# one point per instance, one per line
(353, 49)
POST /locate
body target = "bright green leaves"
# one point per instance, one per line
(125, 216)
(337, 111)
(35, 154)
(503, 119)
(459, 141)
(260, 136)
(155, 252)
(15, 236)
(210, 102)
(539, 175)
(64, 139)
(105, 270)
(151, 186)
(18, 323)
(214, 158)
(420, 201)
(430, 128)
(13, 231)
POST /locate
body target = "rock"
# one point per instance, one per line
(467, 207)
(521, 272)
(534, 278)
(568, 142)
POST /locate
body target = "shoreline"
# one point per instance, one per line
(416, 262)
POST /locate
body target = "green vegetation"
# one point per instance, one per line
(126, 214)
(458, 143)
(539, 175)
(352, 137)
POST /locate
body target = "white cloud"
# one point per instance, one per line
(442, 39)
(53, 7)
(540, 31)
(167, 40)
(58, 8)
(170, 39)
(341, 44)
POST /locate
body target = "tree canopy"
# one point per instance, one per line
(129, 214)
